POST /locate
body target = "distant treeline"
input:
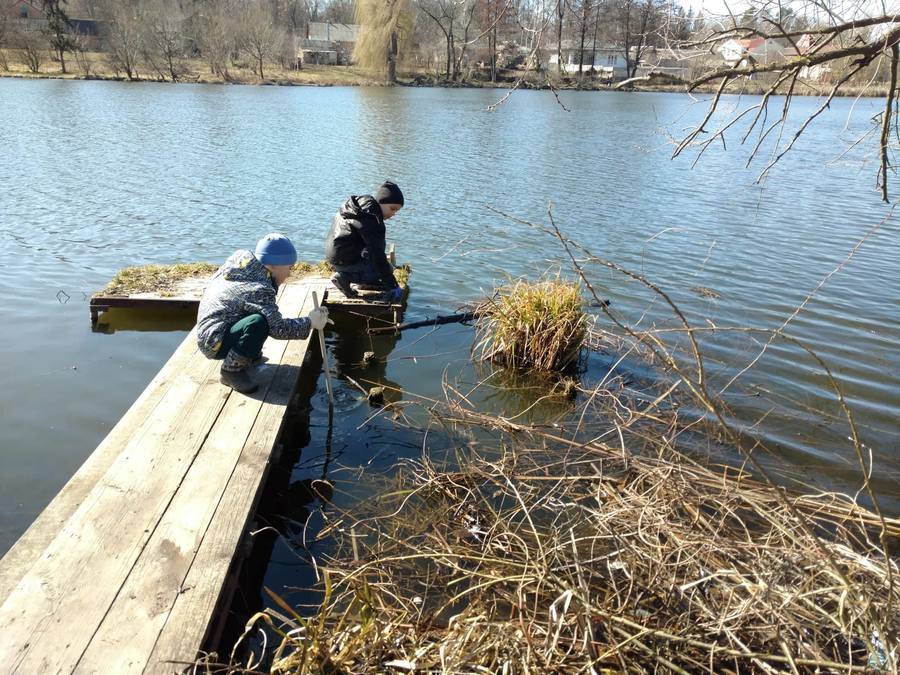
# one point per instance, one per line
(453, 39)
(450, 40)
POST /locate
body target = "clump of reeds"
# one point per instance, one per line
(160, 279)
(535, 325)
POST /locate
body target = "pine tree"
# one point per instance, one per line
(59, 30)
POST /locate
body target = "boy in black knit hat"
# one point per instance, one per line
(356, 241)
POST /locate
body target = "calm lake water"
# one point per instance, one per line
(96, 176)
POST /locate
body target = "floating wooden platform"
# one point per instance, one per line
(128, 569)
(187, 297)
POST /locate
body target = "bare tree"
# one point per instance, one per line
(594, 41)
(297, 15)
(31, 45)
(836, 44)
(259, 36)
(491, 13)
(451, 17)
(442, 13)
(162, 23)
(6, 33)
(560, 16)
(467, 18)
(637, 21)
(82, 58)
(583, 10)
(216, 35)
(338, 11)
(122, 34)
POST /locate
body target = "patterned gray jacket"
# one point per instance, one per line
(241, 287)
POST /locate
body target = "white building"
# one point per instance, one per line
(756, 50)
(327, 43)
(608, 62)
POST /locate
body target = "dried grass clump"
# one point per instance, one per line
(568, 557)
(160, 279)
(535, 325)
(401, 274)
(322, 268)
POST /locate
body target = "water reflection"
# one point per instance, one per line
(163, 321)
(362, 358)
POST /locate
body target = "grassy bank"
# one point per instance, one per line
(95, 66)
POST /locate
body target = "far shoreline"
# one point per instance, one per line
(344, 76)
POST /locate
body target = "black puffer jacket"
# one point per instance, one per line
(357, 232)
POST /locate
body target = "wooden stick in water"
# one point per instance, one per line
(437, 321)
(321, 332)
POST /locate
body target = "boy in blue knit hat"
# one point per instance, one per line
(238, 310)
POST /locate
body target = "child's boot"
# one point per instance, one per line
(235, 373)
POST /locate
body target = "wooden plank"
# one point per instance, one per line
(187, 627)
(25, 552)
(131, 627)
(137, 302)
(57, 606)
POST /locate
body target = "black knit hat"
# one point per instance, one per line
(389, 193)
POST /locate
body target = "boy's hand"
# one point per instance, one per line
(318, 318)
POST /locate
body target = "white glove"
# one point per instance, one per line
(318, 318)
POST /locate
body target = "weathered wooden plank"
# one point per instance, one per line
(187, 626)
(57, 606)
(25, 552)
(131, 627)
(102, 302)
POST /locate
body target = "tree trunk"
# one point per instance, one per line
(493, 45)
(559, 27)
(449, 56)
(457, 67)
(62, 59)
(594, 45)
(581, 46)
(392, 59)
(451, 52)
(627, 35)
(170, 60)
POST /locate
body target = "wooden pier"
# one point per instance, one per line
(129, 568)
(187, 297)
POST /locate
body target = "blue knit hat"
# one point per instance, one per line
(275, 249)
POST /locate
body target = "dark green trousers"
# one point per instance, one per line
(246, 337)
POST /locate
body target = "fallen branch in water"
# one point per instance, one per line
(436, 321)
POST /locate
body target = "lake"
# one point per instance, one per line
(101, 175)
